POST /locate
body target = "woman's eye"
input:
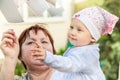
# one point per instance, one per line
(30, 43)
(44, 42)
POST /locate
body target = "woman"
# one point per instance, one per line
(27, 49)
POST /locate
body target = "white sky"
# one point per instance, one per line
(79, 0)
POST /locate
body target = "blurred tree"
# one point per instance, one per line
(19, 69)
(110, 50)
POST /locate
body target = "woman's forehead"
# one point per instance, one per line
(38, 34)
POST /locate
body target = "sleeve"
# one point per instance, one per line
(74, 62)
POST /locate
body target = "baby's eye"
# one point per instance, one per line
(71, 27)
(78, 29)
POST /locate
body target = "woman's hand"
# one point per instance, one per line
(10, 45)
(10, 48)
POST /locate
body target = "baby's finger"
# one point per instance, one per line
(38, 57)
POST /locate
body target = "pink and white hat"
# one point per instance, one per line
(97, 20)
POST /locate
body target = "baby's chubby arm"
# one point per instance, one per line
(61, 63)
(76, 60)
(71, 63)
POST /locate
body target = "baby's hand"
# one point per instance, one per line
(42, 54)
(39, 54)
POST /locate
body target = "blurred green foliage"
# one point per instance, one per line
(19, 69)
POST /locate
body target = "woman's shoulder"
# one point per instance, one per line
(24, 76)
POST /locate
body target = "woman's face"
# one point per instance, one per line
(32, 45)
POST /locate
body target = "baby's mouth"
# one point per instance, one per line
(72, 38)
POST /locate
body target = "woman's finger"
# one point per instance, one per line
(9, 34)
(7, 41)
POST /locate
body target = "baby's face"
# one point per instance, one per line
(78, 34)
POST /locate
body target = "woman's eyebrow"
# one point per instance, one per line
(43, 38)
(32, 39)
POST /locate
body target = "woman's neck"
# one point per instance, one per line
(44, 75)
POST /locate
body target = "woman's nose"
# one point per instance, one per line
(38, 45)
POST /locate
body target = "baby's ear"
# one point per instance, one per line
(93, 40)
